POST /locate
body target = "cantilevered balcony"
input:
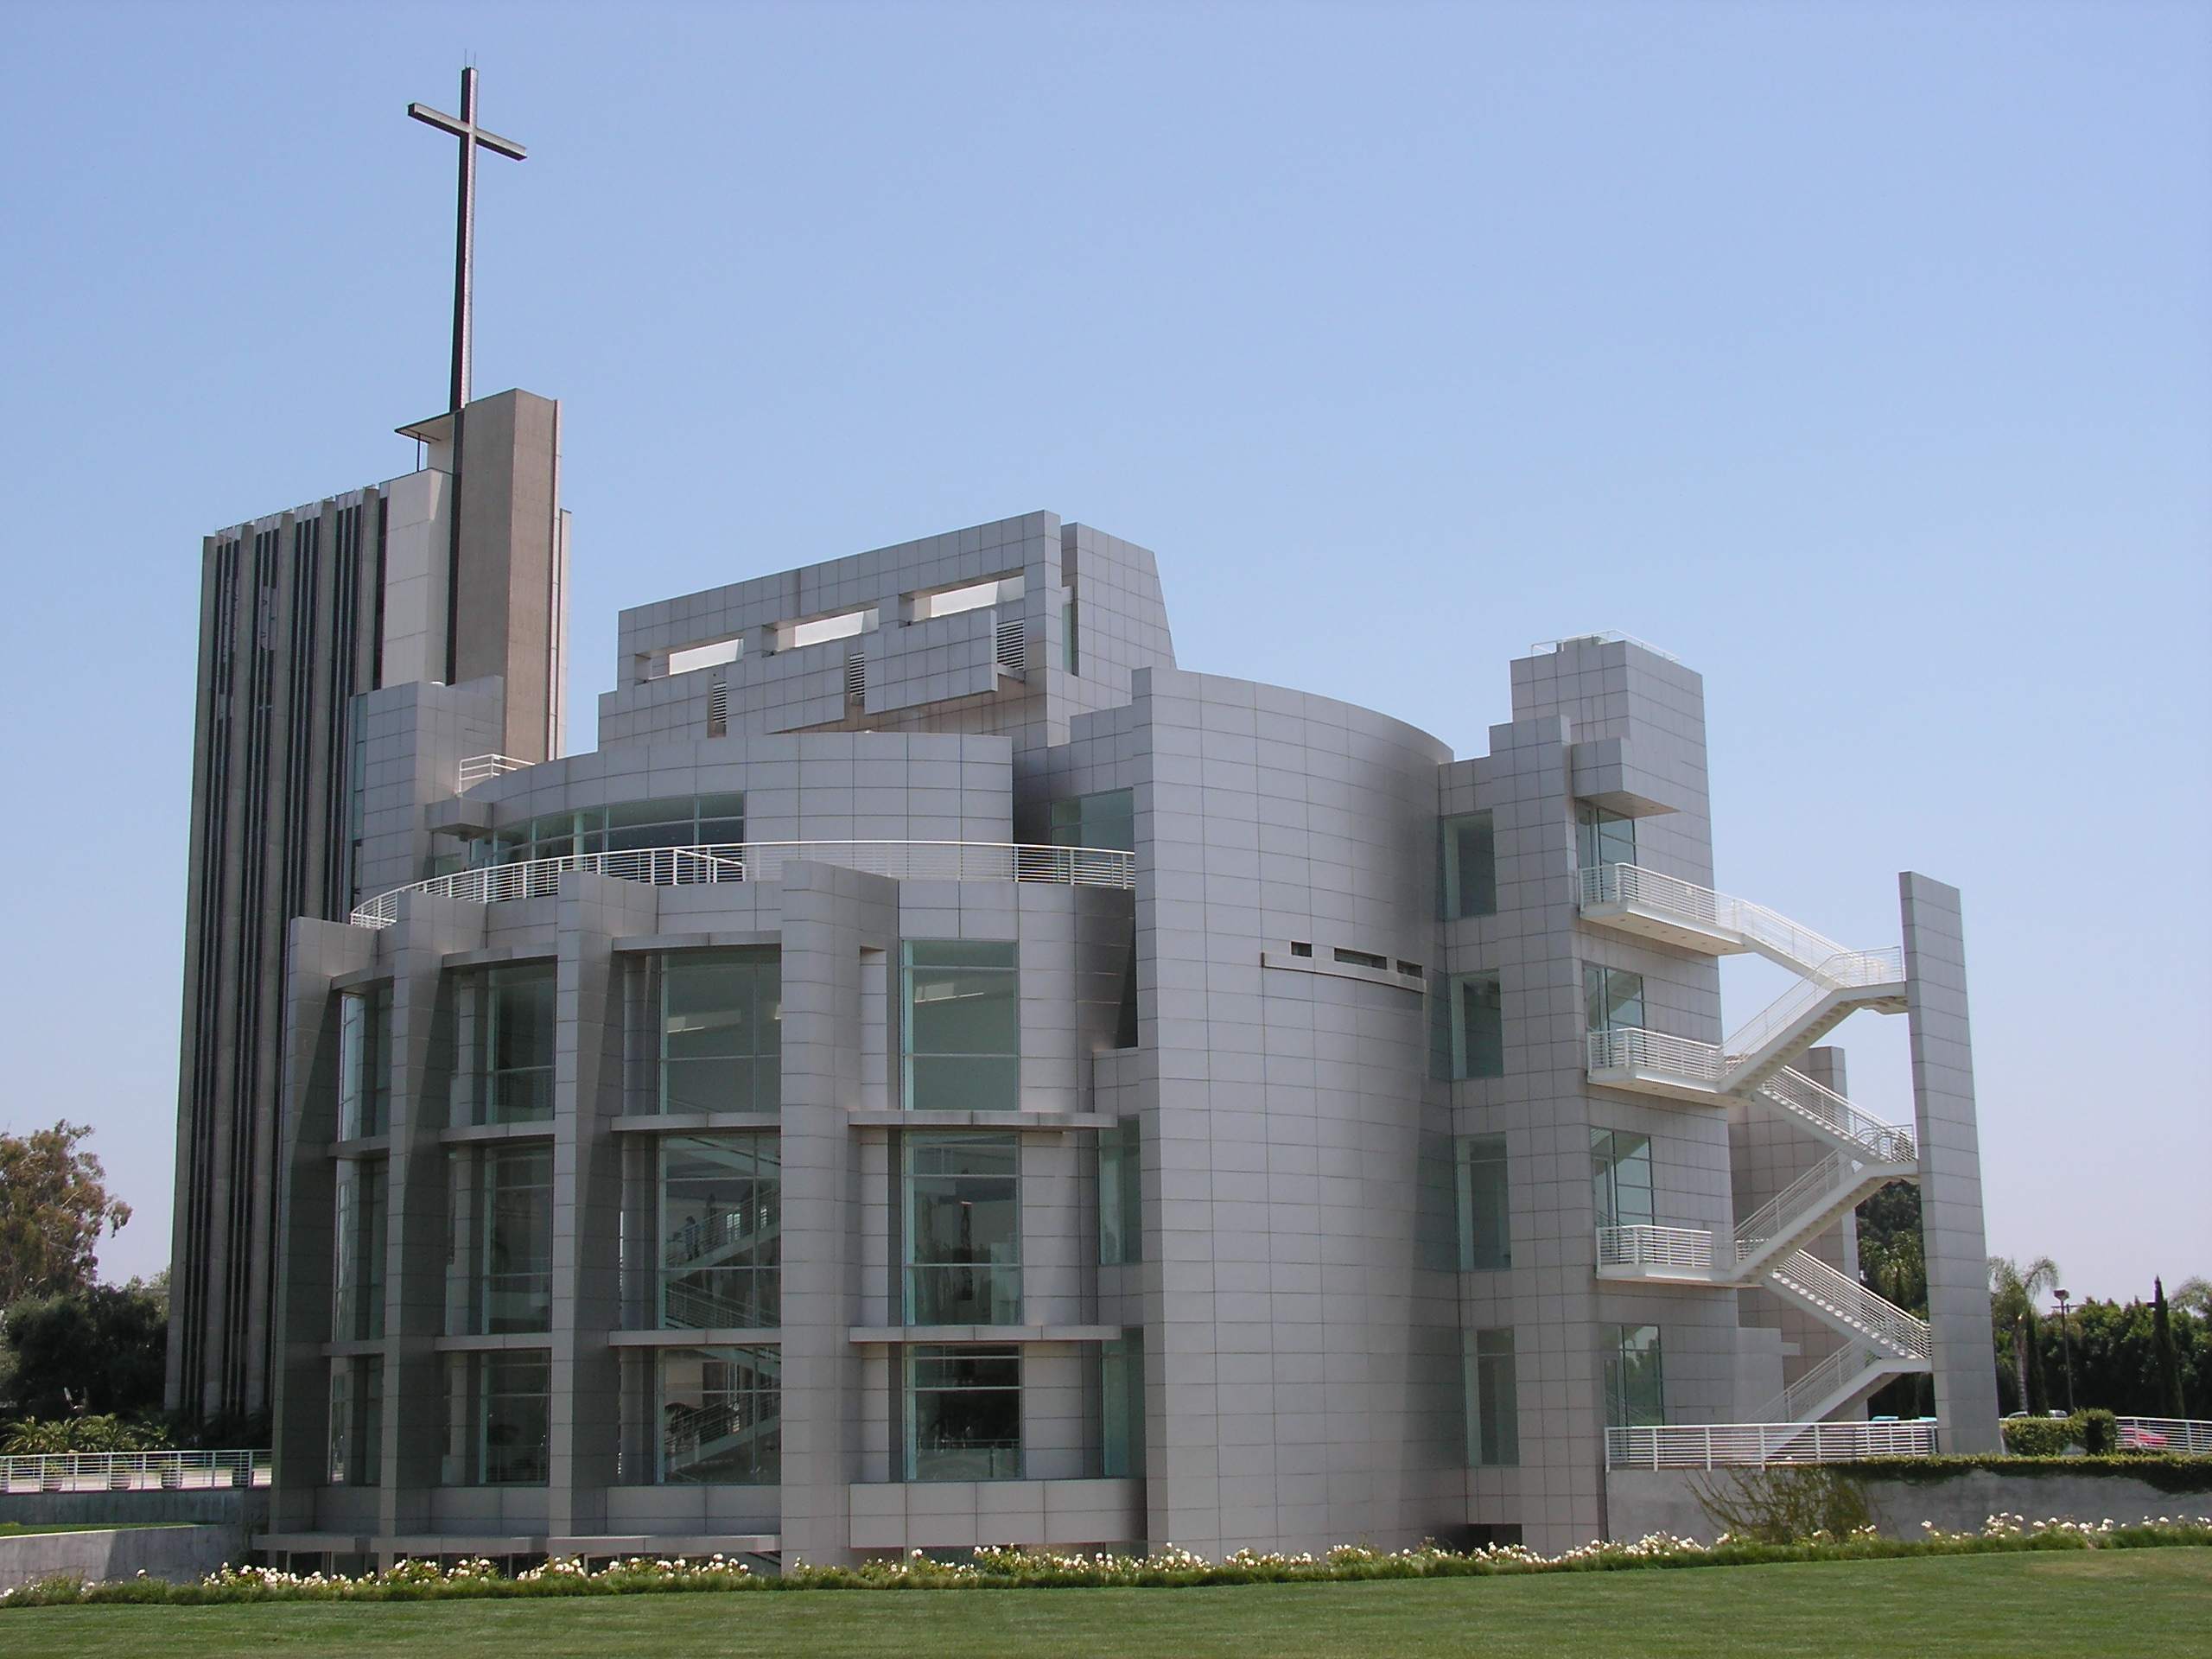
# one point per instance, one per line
(1632, 900)
(1681, 1255)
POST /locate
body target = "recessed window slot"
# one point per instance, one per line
(1363, 959)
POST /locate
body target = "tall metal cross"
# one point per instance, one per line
(464, 268)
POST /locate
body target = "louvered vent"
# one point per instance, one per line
(856, 677)
(718, 710)
(1009, 651)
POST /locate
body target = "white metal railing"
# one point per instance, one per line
(1879, 1318)
(117, 1471)
(1735, 1446)
(1798, 1094)
(1641, 1245)
(2192, 1435)
(1814, 955)
(1870, 968)
(1626, 1047)
(1784, 1213)
(1801, 1400)
(1602, 637)
(763, 861)
(481, 768)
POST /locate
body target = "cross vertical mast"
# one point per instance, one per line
(464, 299)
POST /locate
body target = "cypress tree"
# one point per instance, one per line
(2169, 1361)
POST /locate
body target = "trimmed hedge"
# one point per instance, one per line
(1018, 1569)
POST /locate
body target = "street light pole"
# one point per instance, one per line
(2066, 1346)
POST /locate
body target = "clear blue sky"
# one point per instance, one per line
(1859, 354)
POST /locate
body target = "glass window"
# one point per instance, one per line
(963, 1229)
(498, 1418)
(500, 1274)
(1485, 1240)
(356, 1421)
(1121, 1220)
(720, 1414)
(516, 1045)
(1470, 866)
(1603, 836)
(1621, 1167)
(1471, 1027)
(721, 1231)
(964, 1413)
(1121, 1403)
(1613, 999)
(1635, 1389)
(721, 1031)
(357, 1242)
(678, 821)
(963, 1027)
(1108, 821)
(364, 1062)
(1493, 1399)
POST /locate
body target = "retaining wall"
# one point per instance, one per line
(178, 1553)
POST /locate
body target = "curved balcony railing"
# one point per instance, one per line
(763, 861)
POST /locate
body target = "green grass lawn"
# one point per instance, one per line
(2044, 1605)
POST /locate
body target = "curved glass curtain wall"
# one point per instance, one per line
(677, 821)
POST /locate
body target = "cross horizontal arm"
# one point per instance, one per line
(445, 123)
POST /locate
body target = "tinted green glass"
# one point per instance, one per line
(963, 1230)
(721, 1014)
(964, 1413)
(721, 1231)
(1493, 1404)
(721, 1415)
(1614, 998)
(518, 1043)
(517, 1251)
(1108, 820)
(1470, 866)
(1485, 1239)
(516, 1418)
(1621, 1169)
(1636, 1388)
(963, 1026)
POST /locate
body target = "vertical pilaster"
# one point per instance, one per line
(828, 915)
(587, 1405)
(1950, 1165)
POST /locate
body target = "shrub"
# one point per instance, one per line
(2099, 1430)
(2039, 1437)
(1785, 1506)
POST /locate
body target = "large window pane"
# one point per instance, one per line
(509, 1221)
(358, 1238)
(1470, 866)
(963, 1229)
(356, 1421)
(962, 1037)
(721, 1231)
(1107, 820)
(364, 1062)
(498, 1419)
(720, 1031)
(1613, 998)
(1493, 1399)
(964, 1413)
(1471, 1027)
(517, 1045)
(1635, 1389)
(720, 1414)
(677, 820)
(1122, 1406)
(1485, 1239)
(1603, 836)
(1621, 1169)
(1120, 1221)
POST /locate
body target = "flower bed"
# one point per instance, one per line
(1018, 1569)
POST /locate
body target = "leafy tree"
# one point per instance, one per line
(2194, 1295)
(1893, 1263)
(2116, 1365)
(54, 1203)
(94, 1353)
(2013, 1292)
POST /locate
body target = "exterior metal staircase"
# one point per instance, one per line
(1881, 1340)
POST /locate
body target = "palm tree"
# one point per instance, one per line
(2013, 1292)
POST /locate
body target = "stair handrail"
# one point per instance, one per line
(1884, 1142)
(1882, 967)
(1814, 955)
(1795, 1403)
(1880, 1318)
(1780, 1214)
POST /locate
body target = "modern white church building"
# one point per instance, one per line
(940, 1073)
